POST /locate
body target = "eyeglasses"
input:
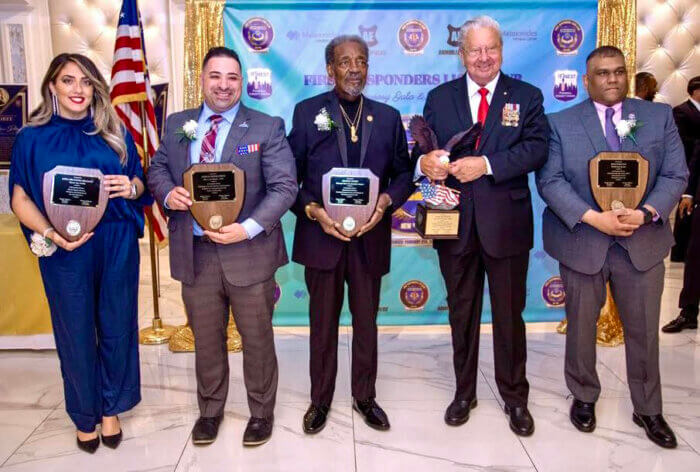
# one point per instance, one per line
(476, 52)
(346, 64)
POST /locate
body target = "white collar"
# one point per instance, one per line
(697, 104)
(473, 87)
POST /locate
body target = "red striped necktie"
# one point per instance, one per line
(482, 112)
(209, 142)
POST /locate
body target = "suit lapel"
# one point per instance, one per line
(334, 111)
(693, 112)
(366, 127)
(629, 108)
(591, 124)
(192, 114)
(462, 103)
(235, 133)
(500, 94)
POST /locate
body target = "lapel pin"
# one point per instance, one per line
(243, 125)
(370, 118)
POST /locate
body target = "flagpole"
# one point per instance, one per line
(158, 333)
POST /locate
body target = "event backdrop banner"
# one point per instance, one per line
(413, 48)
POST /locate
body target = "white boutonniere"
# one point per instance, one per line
(41, 246)
(188, 131)
(628, 128)
(323, 121)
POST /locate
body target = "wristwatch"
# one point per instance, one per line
(307, 210)
(648, 216)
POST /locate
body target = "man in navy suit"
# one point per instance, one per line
(495, 234)
(625, 247)
(364, 134)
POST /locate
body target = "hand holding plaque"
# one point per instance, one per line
(75, 198)
(217, 192)
(350, 197)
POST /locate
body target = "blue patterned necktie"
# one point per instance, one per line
(610, 131)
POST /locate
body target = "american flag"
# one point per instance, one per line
(248, 149)
(131, 85)
(437, 194)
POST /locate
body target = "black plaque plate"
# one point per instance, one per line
(75, 190)
(618, 174)
(213, 186)
(349, 190)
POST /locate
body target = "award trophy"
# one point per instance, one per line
(75, 199)
(350, 197)
(618, 179)
(217, 192)
(437, 217)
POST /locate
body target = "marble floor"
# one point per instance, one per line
(414, 385)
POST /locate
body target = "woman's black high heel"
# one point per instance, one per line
(89, 446)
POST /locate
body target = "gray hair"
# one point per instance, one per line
(483, 21)
(344, 38)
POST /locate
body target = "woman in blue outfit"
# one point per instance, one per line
(91, 284)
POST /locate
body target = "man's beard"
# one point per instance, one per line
(353, 91)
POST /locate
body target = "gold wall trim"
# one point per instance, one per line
(204, 29)
(617, 26)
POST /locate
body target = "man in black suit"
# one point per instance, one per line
(367, 134)
(687, 230)
(495, 233)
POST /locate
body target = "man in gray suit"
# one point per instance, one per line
(234, 267)
(625, 247)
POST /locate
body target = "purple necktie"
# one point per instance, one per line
(610, 131)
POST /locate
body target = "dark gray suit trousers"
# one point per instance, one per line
(207, 302)
(638, 298)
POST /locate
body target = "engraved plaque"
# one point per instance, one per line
(350, 197)
(217, 192)
(618, 179)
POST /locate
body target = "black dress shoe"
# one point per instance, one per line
(258, 431)
(113, 440)
(521, 422)
(458, 411)
(680, 323)
(315, 419)
(89, 446)
(582, 415)
(657, 429)
(372, 413)
(205, 430)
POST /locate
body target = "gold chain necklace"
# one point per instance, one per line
(355, 121)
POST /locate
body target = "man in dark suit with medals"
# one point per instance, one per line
(343, 128)
(496, 230)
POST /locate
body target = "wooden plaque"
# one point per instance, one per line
(217, 192)
(75, 198)
(618, 179)
(350, 197)
(437, 224)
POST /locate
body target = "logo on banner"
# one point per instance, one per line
(259, 83)
(277, 294)
(553, 292)
(565, 85)
(414, 295)
(452, 40)
(369, 35)
(567, 37)
(414, 37)
(258, 34)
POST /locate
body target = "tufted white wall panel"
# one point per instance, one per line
(668, 45)
(89, 27)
